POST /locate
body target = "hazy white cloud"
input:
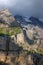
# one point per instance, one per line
(4, 2)
(24, 7)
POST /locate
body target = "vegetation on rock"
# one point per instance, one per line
(10, 31)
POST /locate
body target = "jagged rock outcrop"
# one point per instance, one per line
(20, 38)
(6, 17)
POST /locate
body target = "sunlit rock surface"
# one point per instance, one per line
(6, 17)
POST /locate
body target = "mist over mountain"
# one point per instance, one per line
(24, 7)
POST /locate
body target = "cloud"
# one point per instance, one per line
(24, 7)
(5, 3)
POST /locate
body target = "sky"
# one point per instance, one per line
(24, 7)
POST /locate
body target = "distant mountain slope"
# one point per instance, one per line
(22, 20)
(32, 20)
(19, 18)
(36, 21)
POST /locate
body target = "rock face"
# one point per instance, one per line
(7, 44)
(20, 38)
(6, 17)
(31, 38)
(11, 53)
(2, 43)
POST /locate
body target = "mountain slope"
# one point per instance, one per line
(36, 21)
(26, 21)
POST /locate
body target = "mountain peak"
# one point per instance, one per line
(36, 21)
(6, 16)
(5, 11)
(33, 18)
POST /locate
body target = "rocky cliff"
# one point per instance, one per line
(19, 45)
(13, 54)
